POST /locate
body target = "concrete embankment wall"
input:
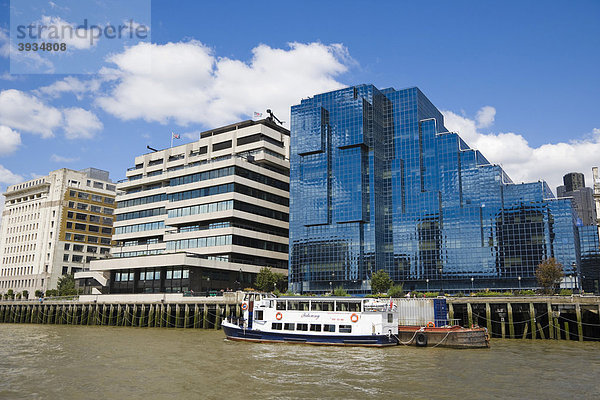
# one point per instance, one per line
(535, 317)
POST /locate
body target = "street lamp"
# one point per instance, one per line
(427, 280)
(519, 283)
(472, 283)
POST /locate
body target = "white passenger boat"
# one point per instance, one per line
(316, 320)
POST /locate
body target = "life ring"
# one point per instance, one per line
(430, 324)
(421, 339)
(244, 306)
(354, 318)
(278, 316)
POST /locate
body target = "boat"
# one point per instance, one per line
(341, 321)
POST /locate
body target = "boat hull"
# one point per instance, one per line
(454, 337)
(235, 333)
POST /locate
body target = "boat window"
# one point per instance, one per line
(258, 315)
(315, 327)
(345, 329)
(328, 328)
(354, 307)
(316, 305)
(276, 326)
(390, 318)
(288, 326)
(281, 305)
(341, 306)
(304, 306)
(328, 306)
(301, 327)
(293, 305)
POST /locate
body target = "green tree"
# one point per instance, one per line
(26, 294)
(266, 280)
(10, 294)
(66, 285)
(396, 291)
(39, 293)
(380, 282)
(340, 292)
(549, 273)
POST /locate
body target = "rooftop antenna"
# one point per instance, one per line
(150, 148)
(272, 117)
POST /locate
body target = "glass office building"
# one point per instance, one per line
(377, 182)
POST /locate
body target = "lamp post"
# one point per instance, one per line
(472, 279)
(427, 280)
(519, 282)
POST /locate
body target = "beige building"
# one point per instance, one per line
(54, 225)
(202, 216)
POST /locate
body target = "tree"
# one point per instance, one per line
(340, 292)
(39, 293)
(396, 291)
(266, 280)
(26, 294)
(380, 282)
(10, 294)
(549, 275)
(66, 285)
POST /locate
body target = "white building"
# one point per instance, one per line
(202, 216)
(54, 225)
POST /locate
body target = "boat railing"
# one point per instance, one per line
(430, 323)
(232, 319)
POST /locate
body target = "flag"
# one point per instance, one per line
(175, 135)
(257, 114)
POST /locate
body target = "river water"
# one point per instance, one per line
(80, 362)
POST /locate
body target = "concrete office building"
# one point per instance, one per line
(202, 216)
(378, 183)
(54, 225)
(581, 196)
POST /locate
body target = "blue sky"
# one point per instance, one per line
(516, 79)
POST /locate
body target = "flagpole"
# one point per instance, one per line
(171, 139)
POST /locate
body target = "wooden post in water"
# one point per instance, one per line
(88, 309)
(503, 328)
(541, 331)
(532, 318)
(550, 321)
(557, 328)
(488, 318)
(579, 324)
(205, 317)
(177, 315)
(195, 316)
(217, 317)
(161, 316)
(103, 318)
(31, 314)
(168, 307)
(470, 315)
(134, 315)
(525, 330)
(567, 331)
(119, 315)
(151, 315)
(187, 316)
(50, 314)
(511, 325)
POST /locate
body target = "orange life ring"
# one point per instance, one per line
(430, 324)
(278, 316)
(354, 318)
(244, 306)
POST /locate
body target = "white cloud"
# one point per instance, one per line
(70, 85)
(185, 82)
(80, 123)
(22, 111)
(23, 59)
(9, 140)
(9, 178)
(61, 159)
(4, 43)
(61, 31)
(522, 162)
(485, 116)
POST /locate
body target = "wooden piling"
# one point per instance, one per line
(177, 315)
(541, 331)
(205, 317)
(168, 307)
(470, 314)
(511, 325)
(532, 319)
(550, 321)
(187, 316)
(525, 331)
(557, 328)
(567, 331)
(488, 318)
(196, 316)
(217, 317)
(579, 324)
(503, 329)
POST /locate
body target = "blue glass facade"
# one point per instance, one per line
(590, 258)
(377, 182)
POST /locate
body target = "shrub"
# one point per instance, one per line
(380, 282)
(431, 294)
(25, 294)
(39, 293)
(340, 292)
(565, 292)
(396, 291)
